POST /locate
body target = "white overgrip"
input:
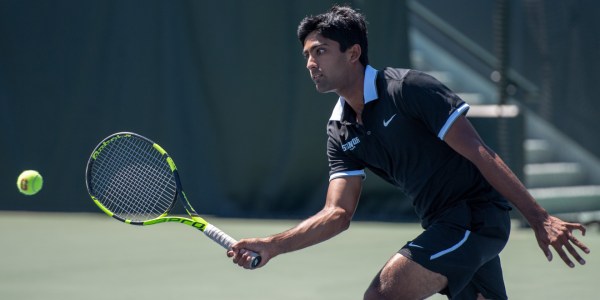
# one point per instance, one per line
(226, 241)
(219, 236)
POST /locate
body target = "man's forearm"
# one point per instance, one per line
(318, 228)
(499, 175)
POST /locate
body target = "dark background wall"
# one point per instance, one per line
(222, 86)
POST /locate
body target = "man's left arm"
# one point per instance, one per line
(549, 230)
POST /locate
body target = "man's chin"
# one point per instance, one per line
(323, 89)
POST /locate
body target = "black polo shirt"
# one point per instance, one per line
(405, 118)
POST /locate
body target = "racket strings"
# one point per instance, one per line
(133, 180)
(146, 170)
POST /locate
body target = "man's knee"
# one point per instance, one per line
(402, 278)
(382, 288)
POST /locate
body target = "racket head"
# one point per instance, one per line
(131, 178)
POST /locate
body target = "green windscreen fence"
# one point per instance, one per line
(554, 45)
(561, 51)
(221, 85)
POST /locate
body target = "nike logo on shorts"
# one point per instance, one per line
(415, 245)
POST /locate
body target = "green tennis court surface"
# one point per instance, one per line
(90, 256)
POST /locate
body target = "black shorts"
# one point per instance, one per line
(463, 245)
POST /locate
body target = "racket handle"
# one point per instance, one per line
(226, 242)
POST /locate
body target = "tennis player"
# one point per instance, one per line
(411, 130)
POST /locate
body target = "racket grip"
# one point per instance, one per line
(226, 242)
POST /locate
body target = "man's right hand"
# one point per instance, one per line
(240, 252)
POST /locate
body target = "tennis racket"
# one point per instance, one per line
(135, 181)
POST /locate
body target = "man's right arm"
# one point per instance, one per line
(342, 198)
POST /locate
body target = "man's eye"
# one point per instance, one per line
(320, 51)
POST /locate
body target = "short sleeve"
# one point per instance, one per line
(340, 164)
(428, 100)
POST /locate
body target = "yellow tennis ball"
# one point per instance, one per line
(30, 182)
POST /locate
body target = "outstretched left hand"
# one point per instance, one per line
(559, 234)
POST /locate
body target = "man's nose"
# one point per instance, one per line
(311, 63)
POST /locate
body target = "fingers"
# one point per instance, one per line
(574, 254)
(563, 255)
(568, 244)
(563, 241)
(239, 254)
(230, 253)
(548, 253)
(574, 240)
(246, 259)
(571, 250)
(582, 229)
(242, 257)
(579, 244)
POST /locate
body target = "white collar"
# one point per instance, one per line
(369, 93)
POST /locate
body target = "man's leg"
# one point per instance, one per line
(447, 255)
(487, 281)
(402, 278)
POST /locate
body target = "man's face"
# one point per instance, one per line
(325, 62)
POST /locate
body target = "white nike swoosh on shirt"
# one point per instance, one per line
(387, 122)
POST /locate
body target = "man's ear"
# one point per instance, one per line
(354, 52)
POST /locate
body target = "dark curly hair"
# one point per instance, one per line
(341, 24)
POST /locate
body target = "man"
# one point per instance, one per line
(411, 130)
